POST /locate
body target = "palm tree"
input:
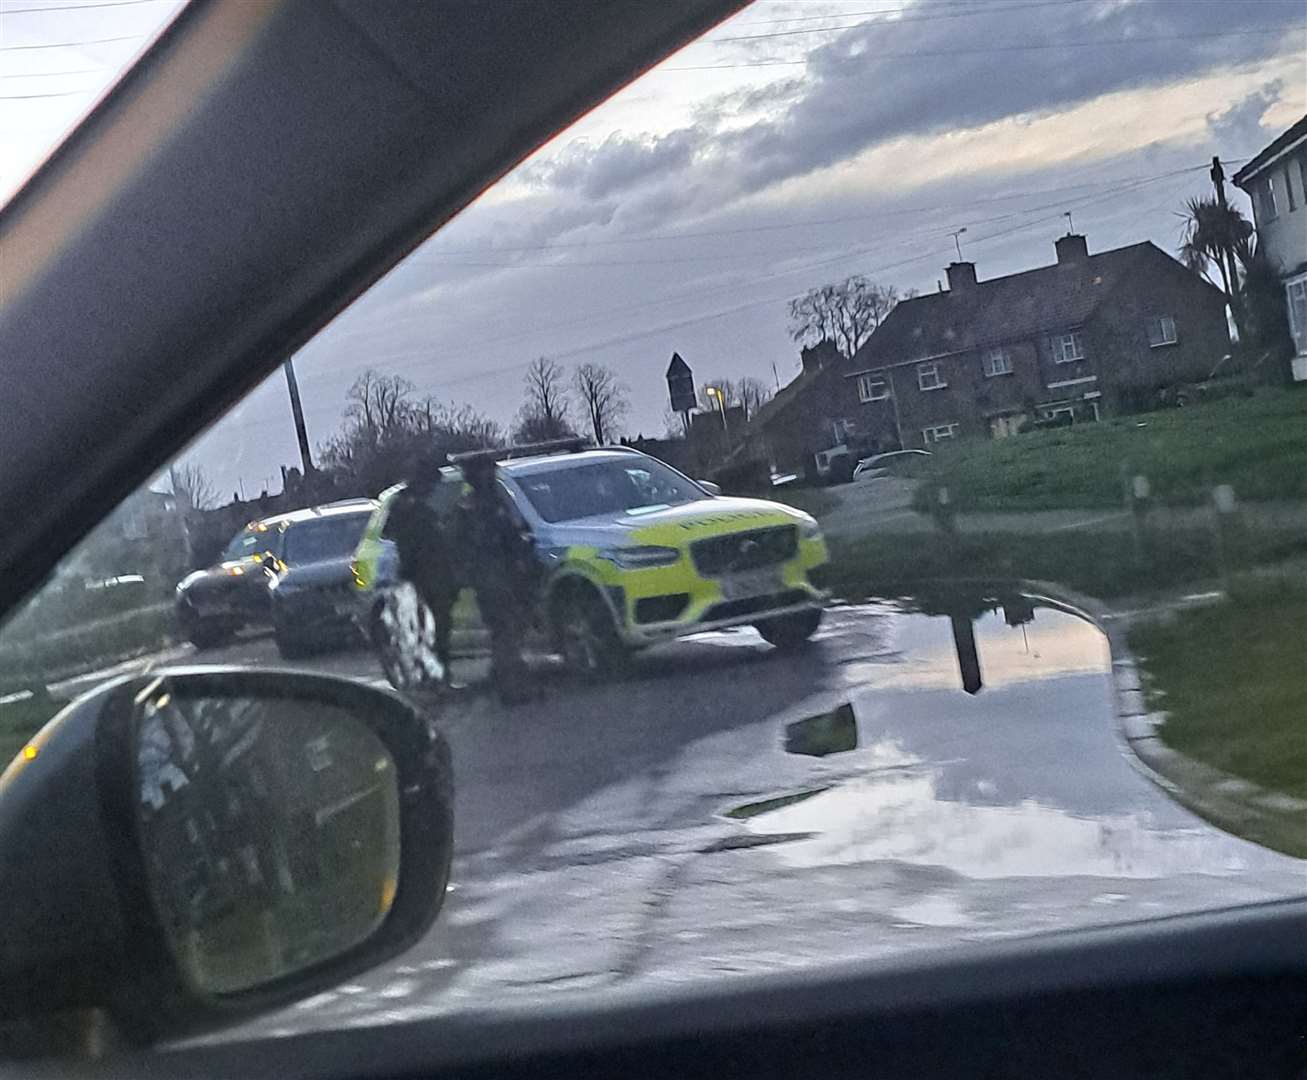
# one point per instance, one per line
(1264, 305)
(1210, 231)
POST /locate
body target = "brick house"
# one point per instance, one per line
(804, 417)
(1276, 181)
(1081, 339)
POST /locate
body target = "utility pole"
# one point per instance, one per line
(297, 411)
(1218, 182)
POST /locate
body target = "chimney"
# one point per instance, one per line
(1071, 248)
(816, 357)
(961, 276)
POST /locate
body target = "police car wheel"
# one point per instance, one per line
(587, 638)
(790, 631)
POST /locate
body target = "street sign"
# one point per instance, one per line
(680, 385)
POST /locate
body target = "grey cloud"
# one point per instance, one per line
(859, 98)
(1238, 129)
(855, 96)
(621, 161)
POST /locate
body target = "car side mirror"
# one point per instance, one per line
(710, 487)
(186, 848)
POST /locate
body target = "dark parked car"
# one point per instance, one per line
(290, 572)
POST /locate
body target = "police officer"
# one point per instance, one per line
(423, 544)
(499, 564)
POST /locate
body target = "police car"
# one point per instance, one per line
(630, 552)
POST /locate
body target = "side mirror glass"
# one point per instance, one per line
(710, 487)
(269, 833)
(223, 841)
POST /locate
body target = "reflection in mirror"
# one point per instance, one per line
(269, 830)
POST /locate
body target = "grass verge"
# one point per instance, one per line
(1256, 444)
(83, 648)
(1100, 563)
(1230, 678)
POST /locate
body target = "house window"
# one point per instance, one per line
(996, 362)
(1068, 347)
(1161, 331)
(1296, 293)
(1266, 207)
(939, 432)
(929, 377)
(1288, 191)
(872, 388)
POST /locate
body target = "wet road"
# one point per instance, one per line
(729, 809)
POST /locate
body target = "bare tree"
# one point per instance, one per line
(385, 427)
(545, 414)
(673, 424)
(463, 428)
(847, 313)
(191, 488)
(748, 393)
(753, 393)
(602, 397)
(378, 405)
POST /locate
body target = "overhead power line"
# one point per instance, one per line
(917, 54)
(75, 7)
(58, 93)
(72, 44)
(803, 268)
(53, 74)
(802, 223)
(978, 9)
(965, 14)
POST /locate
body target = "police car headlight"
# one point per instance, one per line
(809, 530)
(639, 558)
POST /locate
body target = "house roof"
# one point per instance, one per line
(1271, 152)
(786, 396)
(1034, 302)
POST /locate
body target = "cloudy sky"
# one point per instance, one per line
(798, 143)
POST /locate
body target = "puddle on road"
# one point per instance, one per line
(974, 641)
(1036, 788)
(903, 818)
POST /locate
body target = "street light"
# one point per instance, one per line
(715, 391)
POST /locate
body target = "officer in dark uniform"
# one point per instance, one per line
(500, 568)
(424, 545)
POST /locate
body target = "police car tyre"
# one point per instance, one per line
(790, 631)
(587, 637)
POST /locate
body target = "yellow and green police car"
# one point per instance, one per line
(631, 553)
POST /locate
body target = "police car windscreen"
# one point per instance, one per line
(329, 538)
(608, 487)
